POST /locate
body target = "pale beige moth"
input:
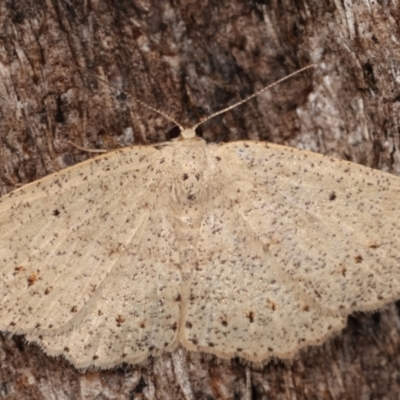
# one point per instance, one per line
(246, 249)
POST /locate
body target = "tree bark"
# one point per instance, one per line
(65, 66)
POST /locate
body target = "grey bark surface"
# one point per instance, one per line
(65, 69)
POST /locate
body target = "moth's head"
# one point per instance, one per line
(188, 136)
(188, 133)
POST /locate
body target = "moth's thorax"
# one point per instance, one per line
(188, 171)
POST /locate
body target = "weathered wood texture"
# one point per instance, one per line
(190, 58)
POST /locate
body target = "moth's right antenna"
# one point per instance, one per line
(255, 94)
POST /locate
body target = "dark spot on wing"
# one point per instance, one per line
(119, 320)
(32, 278)
(18, 270)
(177, 298)
(250, 316)
(358, 259)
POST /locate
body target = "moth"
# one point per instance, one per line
(244, 249)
